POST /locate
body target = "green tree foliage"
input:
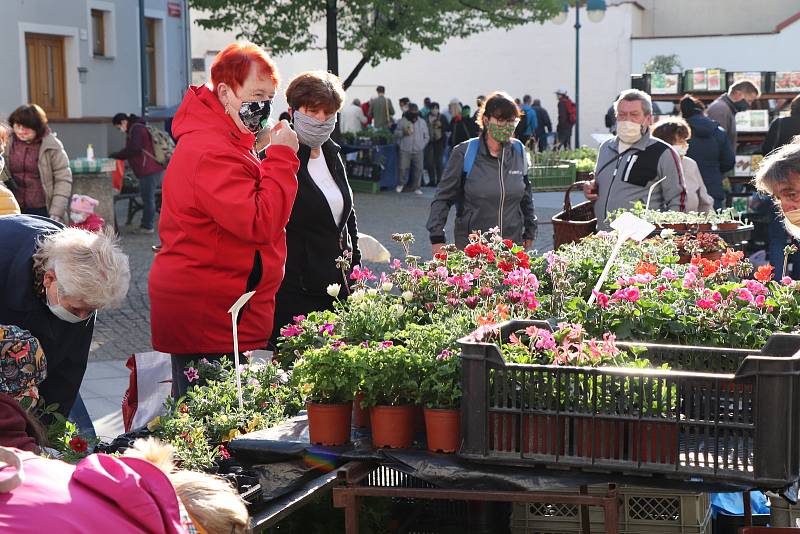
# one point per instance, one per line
(377, 29)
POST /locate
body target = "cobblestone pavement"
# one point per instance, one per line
(124, 331)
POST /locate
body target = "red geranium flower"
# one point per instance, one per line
(644, 267)
(78, 444)
(505, 266)
(732, 257)
(508, 243)
(764, 273)
(707, 267)
(224, 452)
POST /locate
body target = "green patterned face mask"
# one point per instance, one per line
(501, 132)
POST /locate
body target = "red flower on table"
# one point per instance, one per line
(78, 444)
(764, 273)
(224, 452)
(644, 267)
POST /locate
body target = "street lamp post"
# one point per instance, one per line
(595, 10)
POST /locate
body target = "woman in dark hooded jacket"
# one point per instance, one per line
(709, 147)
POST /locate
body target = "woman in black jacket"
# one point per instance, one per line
(783, 129)
(709, 147)
(323, 222)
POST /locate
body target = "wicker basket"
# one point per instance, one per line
(574, 223)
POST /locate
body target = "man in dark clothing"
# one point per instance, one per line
(43, 292)
(463, 127)
(543, 126)
(740, 97)
(566, 118)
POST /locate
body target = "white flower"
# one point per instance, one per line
(334, 289)
(667, 233)
(357, 296)
(408, 296)
(372, 292)
(387, 286)
(398, 310)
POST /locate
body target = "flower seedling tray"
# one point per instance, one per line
(554, 176)
(719, 414)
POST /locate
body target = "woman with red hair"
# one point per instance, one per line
(223, 215)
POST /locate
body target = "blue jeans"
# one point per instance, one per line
(80, 416)
(147, 188)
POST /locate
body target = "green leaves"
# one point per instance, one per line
(328, 375)
(378, 30)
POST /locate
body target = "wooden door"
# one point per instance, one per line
(46, 81)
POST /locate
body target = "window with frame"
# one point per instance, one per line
(98, 33)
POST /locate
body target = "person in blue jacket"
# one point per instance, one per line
(52, 281)
(709, 147)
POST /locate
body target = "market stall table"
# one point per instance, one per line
(357, 470)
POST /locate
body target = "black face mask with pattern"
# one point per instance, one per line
(255, 114)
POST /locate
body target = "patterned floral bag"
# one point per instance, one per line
(22, 363)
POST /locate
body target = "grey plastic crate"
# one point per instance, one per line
(709, 423)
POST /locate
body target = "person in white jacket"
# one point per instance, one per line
(353, 118)
(677, 132)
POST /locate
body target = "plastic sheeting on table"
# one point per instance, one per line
(446, 471)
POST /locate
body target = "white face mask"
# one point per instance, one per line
(61, 312)
(629, 132)
(681, 149)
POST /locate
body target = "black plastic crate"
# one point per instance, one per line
(726, 415)
(364, 170)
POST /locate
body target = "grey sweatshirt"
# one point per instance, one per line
(496, 192)
(418, 139)
(622, 179)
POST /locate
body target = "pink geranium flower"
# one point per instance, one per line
(191, 374)
(601, 299)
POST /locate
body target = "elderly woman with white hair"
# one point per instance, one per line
(52, 281)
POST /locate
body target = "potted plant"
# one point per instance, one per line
(728, 220)
(440, 394)
(705, 245)
(328, 378)
(390, 386)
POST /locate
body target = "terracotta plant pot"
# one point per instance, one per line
(704, 227)
(727, 226)
(678, 227)
(392, 426)
(712, 255)
(360, 413)
(443, 428)
(329, 424)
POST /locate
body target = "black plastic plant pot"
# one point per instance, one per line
(718, 414)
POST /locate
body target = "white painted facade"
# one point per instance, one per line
(756, 52)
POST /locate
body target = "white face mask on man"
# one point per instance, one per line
(61, 312)
(629, 132)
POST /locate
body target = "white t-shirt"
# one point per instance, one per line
(321, 175)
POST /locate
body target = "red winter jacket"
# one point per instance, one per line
(222, 230)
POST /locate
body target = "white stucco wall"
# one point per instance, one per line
(768, 52)
(534, 59)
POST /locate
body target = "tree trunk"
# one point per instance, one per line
(356, 70)
(332, 36)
